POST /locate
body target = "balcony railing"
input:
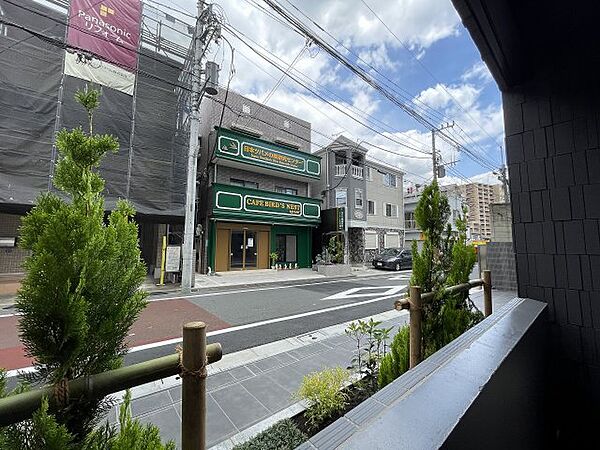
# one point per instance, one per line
(355, 171)
(410, 224)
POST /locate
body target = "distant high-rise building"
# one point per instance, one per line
(479, 197)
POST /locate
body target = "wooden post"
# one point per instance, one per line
(193, 391)
(415, 326)
(487, 292)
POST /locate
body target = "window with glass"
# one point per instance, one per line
(371, 240)
(286, 190)
(391, 210)
(358, 198)
(341, 197)
(371, 208)
(389, 179)
(286, 248)
(243, 183)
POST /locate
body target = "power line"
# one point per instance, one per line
(62, 44)
(345, 62)
(236, 35)
(422, 64)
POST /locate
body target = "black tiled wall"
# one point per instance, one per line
(552, 144)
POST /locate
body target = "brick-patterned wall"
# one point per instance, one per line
(501, 261)
(554, 168)
(11, 258)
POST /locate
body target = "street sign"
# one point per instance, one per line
(173, 258)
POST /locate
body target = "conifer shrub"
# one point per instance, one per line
(396, 361)
(80, 294)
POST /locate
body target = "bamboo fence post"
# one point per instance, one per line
(415, 326)
(193, 391)
(487, 292)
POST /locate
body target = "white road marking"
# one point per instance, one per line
(12, 373)
(269, 288)
(400, 277)
(367, 291)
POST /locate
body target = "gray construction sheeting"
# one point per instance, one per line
(30, 75)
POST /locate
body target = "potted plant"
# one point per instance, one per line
(273, 256)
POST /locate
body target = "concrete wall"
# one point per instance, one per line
(501, 222)
(500, 259)
(381, 194)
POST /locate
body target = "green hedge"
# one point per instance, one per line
(284, 435)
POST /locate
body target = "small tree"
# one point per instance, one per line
(444, 260)
(81, 291)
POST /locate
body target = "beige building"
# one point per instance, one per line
(479, 197)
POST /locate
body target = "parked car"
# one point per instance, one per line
(393, 258)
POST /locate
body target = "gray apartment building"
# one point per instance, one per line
(412, 195)
(370, 192)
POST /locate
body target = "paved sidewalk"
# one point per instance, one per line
(250, 390)
(10, 283)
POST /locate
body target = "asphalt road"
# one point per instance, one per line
(289, 310)
(259, 315)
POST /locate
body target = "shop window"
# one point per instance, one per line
(371, 240)
(392, 240)
(286, 248)
(358, 198)
(391, 210)
(341, 197)
(371, 208)
(243, 183)
(286, 190)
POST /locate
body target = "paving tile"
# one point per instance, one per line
(175, 393)
(313, 363)
(286, 377)
(285, 358)
(148, 403)
(218, 425)
(253, 368)
(268, 363)
(241, 407)
(270, 394)
(167, 420)
(218, 380)
(307, 350)
(240, 373)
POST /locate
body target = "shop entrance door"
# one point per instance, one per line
(251, 246)
(243, 249)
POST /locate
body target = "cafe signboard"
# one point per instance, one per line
(247, 204)
(238, 147)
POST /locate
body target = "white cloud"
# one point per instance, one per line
(478, 72)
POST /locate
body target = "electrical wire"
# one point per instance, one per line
(297, 23)
(62, 44)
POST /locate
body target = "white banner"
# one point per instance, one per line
(100, 72)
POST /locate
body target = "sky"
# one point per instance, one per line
(429, 63)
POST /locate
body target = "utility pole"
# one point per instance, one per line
(188, 260)
(433, 150)
(434, 155)
(504, 179)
